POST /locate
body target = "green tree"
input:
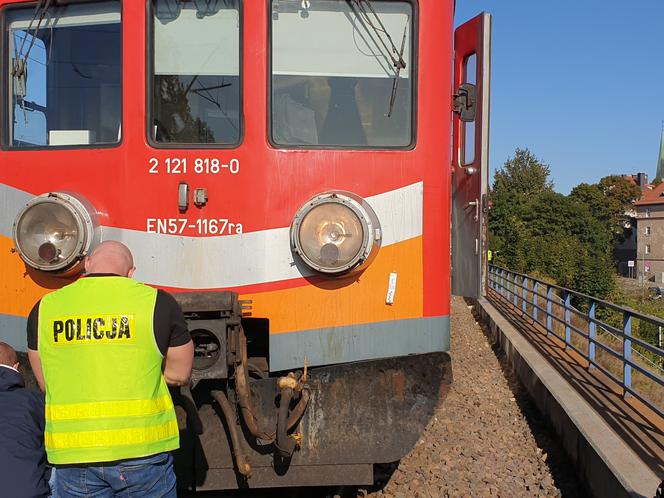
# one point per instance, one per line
(610, 201)
(521, 177)
(523, 174)
(536, 230)
(573, 246)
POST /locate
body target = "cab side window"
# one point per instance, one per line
(65, 75)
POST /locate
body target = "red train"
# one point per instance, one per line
(291, 169)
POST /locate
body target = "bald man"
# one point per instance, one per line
(23, 470)
(103, 349)
(110, 257)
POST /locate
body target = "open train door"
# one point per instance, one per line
(470, 155)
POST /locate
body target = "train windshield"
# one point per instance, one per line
(342, 73)
(196, 72)
(65, 75)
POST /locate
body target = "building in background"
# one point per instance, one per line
(640, 179)
(650, 233)
(650, 225)
(626, 251)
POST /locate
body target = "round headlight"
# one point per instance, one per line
(54, 231)
(335, 232)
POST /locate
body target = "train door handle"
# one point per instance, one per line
(475, 203)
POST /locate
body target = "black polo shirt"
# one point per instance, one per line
(170, 327)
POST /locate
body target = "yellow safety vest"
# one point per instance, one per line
(106, 398)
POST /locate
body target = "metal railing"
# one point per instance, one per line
(583, 323)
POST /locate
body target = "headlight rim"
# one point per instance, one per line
(86, 223)
(368, 220)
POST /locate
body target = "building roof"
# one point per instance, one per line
(652, 194)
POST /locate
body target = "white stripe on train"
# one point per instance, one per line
(232, 260)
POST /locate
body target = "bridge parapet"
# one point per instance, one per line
(603, 334)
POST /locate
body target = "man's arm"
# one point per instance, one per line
(35, 363)
(178, 363)
(173, 339)
(33, 354)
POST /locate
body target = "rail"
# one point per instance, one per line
(600, 331)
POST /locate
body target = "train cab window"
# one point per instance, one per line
(65, 74)
(196, 72)
(342, 73)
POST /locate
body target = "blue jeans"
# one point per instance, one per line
(149, 477)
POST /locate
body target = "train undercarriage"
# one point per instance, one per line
(324, 426)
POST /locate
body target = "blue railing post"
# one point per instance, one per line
(627, 352)
(535, 296)
(568, 316)
(502, 283)
(549, 320)
(515, 290)
(512, 280)
(592, 334)
(524, 296)
(495, 280)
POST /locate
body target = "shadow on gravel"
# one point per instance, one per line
(553, 454)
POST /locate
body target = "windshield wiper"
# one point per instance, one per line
(392, 53)
(395, 81)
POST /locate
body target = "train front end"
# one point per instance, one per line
(289, 169)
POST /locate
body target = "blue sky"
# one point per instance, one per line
(578, 82)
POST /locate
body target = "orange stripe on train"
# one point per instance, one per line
(356, 299)
(352, 300)
(20, 289)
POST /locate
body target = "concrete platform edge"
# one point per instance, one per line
(603, 461)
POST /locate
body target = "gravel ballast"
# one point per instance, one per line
(486, 438)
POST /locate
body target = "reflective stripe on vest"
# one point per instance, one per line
(118, 437)
(106, 398)
(109, 409)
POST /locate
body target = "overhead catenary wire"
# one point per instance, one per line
(19, 69)
(358, 7)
